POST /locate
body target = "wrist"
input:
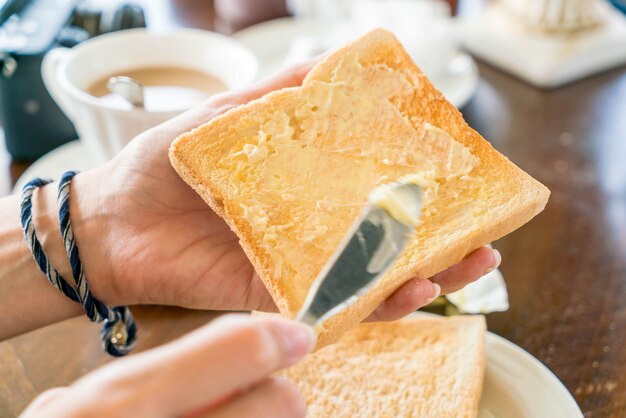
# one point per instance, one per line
(46, 220)
(90, 215)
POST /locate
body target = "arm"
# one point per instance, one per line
(27, 300)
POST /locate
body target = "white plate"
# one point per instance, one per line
(270, 41)
(70, 156)
(517, 385)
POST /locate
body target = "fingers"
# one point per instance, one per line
(274, 398)
(470, 269)
(204, 368)
(416, 293)
(411, 296)
(235, 352)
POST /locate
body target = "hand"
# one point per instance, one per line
(221, 370)
(146, 237)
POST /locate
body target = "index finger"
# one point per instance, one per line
(470, 269)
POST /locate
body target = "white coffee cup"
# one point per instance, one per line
(105, 128)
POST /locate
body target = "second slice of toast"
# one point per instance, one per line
(421, 366)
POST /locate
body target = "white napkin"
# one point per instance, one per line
(487, 294)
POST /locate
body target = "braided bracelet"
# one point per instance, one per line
(119, 332)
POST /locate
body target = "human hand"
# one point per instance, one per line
(147, 237)
(221, 370)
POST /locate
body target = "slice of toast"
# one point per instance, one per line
(417, 367)
(291, 171)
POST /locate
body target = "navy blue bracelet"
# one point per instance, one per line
(119, 332)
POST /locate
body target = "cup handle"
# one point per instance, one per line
(49, 67)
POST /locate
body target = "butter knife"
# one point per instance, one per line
(369, 249)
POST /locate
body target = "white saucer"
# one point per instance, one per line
(270, 41)
(70, 156)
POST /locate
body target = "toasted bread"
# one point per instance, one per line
(291, 171)
(417, 367)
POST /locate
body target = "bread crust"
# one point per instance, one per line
(510, 196)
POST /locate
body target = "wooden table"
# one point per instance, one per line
(566, 270)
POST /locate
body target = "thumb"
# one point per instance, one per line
(206, 367)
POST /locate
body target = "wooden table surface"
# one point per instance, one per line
(566, 270)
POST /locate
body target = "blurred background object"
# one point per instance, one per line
(319, 9)
(425, 27)
(555, 15)
(33, 123)
(334, 9)
(233, 15)
(548, 42)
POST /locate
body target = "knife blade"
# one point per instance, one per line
(368, 250)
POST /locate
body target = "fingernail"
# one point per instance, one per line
(497, 256)
(437, 292)
(299, 340)
(497, 260)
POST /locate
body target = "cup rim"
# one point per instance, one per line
(139, 33)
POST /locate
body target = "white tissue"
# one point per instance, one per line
(487, 294)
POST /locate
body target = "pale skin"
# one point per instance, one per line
(145, 237)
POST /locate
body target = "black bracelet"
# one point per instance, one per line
(119, 332)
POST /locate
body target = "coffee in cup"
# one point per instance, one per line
(165, 88)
